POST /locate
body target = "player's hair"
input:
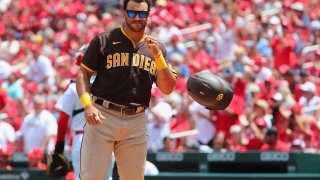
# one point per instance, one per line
(125, 3)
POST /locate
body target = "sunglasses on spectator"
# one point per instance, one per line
(133, 14)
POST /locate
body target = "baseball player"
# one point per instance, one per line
(127, 62)
(70, 108)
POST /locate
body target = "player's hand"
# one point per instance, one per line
(93, 115)
(152, 45)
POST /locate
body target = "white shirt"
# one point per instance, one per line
(5, 69)
(7, 134)
(224, 42)
(164, 109)
(41, 68)
(157, 131)
(69, 102)
(36, 127)
(205, 127)
(313, 102)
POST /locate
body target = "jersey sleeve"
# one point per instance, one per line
(66, 102)
(92, 57)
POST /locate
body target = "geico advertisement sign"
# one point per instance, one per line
(169, 157)
(228, 156)
(274, 156)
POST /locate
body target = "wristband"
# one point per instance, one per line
(59, 148)
(85, 99)
(160, 62)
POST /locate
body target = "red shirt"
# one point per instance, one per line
(283, 136)
(179, 125)
(254, 144)
(3, 99)
(280, 146)
(283, 54)
(239, 89)
(223, 120)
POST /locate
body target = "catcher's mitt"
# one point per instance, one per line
(209, 90)
(57, 165)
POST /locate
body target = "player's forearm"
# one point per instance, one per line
(83, 82)
(62, 126)
(165, 80)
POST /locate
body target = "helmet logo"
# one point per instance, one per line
(219, 97)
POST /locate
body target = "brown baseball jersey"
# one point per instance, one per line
(125, 71)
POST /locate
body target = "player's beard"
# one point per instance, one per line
(132, 25)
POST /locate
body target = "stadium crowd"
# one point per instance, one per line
(256, 45)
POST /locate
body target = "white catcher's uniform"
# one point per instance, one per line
(70, 104)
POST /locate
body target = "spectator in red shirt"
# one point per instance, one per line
(35, 157)
(256, 139)
(281, 122)
(283, 46)
(267, 90)
(224, 119)
(3, 100)
(235, 143)
(272, 142)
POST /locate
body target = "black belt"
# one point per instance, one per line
(119, 108)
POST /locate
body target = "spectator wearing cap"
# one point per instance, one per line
(9, 47)
(224, 119)
(202, 119)
(38, 129)
(315, 32)
(176, 46)
(268, 90)
(309, 97)
(236, 141)
(35, 157)
(283, 46)
(5, 155)
(304, 76)
(304, 127)
(197, 59)
(40, 68)
(204, 42)
(180, 120)
(159, 114)
(252, 94)
(272, 142)
(260, 109)
(177, 62)
(255, 137)
(300, 22)
(314, 69)
(225, 39)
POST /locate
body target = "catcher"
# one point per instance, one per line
(70, 107)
